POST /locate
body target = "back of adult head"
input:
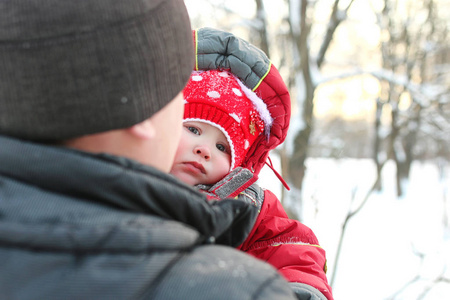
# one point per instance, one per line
(74, 68)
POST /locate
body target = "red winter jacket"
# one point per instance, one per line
(288, 245)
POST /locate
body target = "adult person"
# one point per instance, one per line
(90, 115)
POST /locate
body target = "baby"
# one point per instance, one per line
(228, 132)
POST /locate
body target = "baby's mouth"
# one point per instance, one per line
(197, 166)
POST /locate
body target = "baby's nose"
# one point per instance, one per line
(203, 151)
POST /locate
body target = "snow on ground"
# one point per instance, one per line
(391, 241)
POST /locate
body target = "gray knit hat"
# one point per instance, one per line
(70, 68)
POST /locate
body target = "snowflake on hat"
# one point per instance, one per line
(220, 99)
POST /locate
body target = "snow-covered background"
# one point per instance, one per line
(393, 248)
(387, 64)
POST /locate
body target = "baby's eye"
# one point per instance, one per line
(194, 130)
(222, 148)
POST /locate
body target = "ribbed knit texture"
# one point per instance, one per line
(70, 68)
(215, 97)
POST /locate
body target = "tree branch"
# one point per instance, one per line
(337, 16)
(350, 215)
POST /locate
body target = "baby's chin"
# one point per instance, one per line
(185, 177)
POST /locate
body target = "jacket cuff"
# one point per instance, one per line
(306, 292)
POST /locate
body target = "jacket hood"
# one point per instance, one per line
(220, 50)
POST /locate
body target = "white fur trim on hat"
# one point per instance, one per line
(260, 106)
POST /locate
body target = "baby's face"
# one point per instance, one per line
(203, 155)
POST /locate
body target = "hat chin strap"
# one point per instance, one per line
(231, 185)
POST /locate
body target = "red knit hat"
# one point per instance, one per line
(220, 99)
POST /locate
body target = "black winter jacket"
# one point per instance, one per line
(75, 225)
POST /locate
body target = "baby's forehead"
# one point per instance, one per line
(199, 123)
(194, 122)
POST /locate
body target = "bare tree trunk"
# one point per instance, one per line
(303, 71)
(261, 17)
(377, 142)
(391, 92)
(301, 141)
(393, 138)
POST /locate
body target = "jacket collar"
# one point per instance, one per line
(124, 184)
